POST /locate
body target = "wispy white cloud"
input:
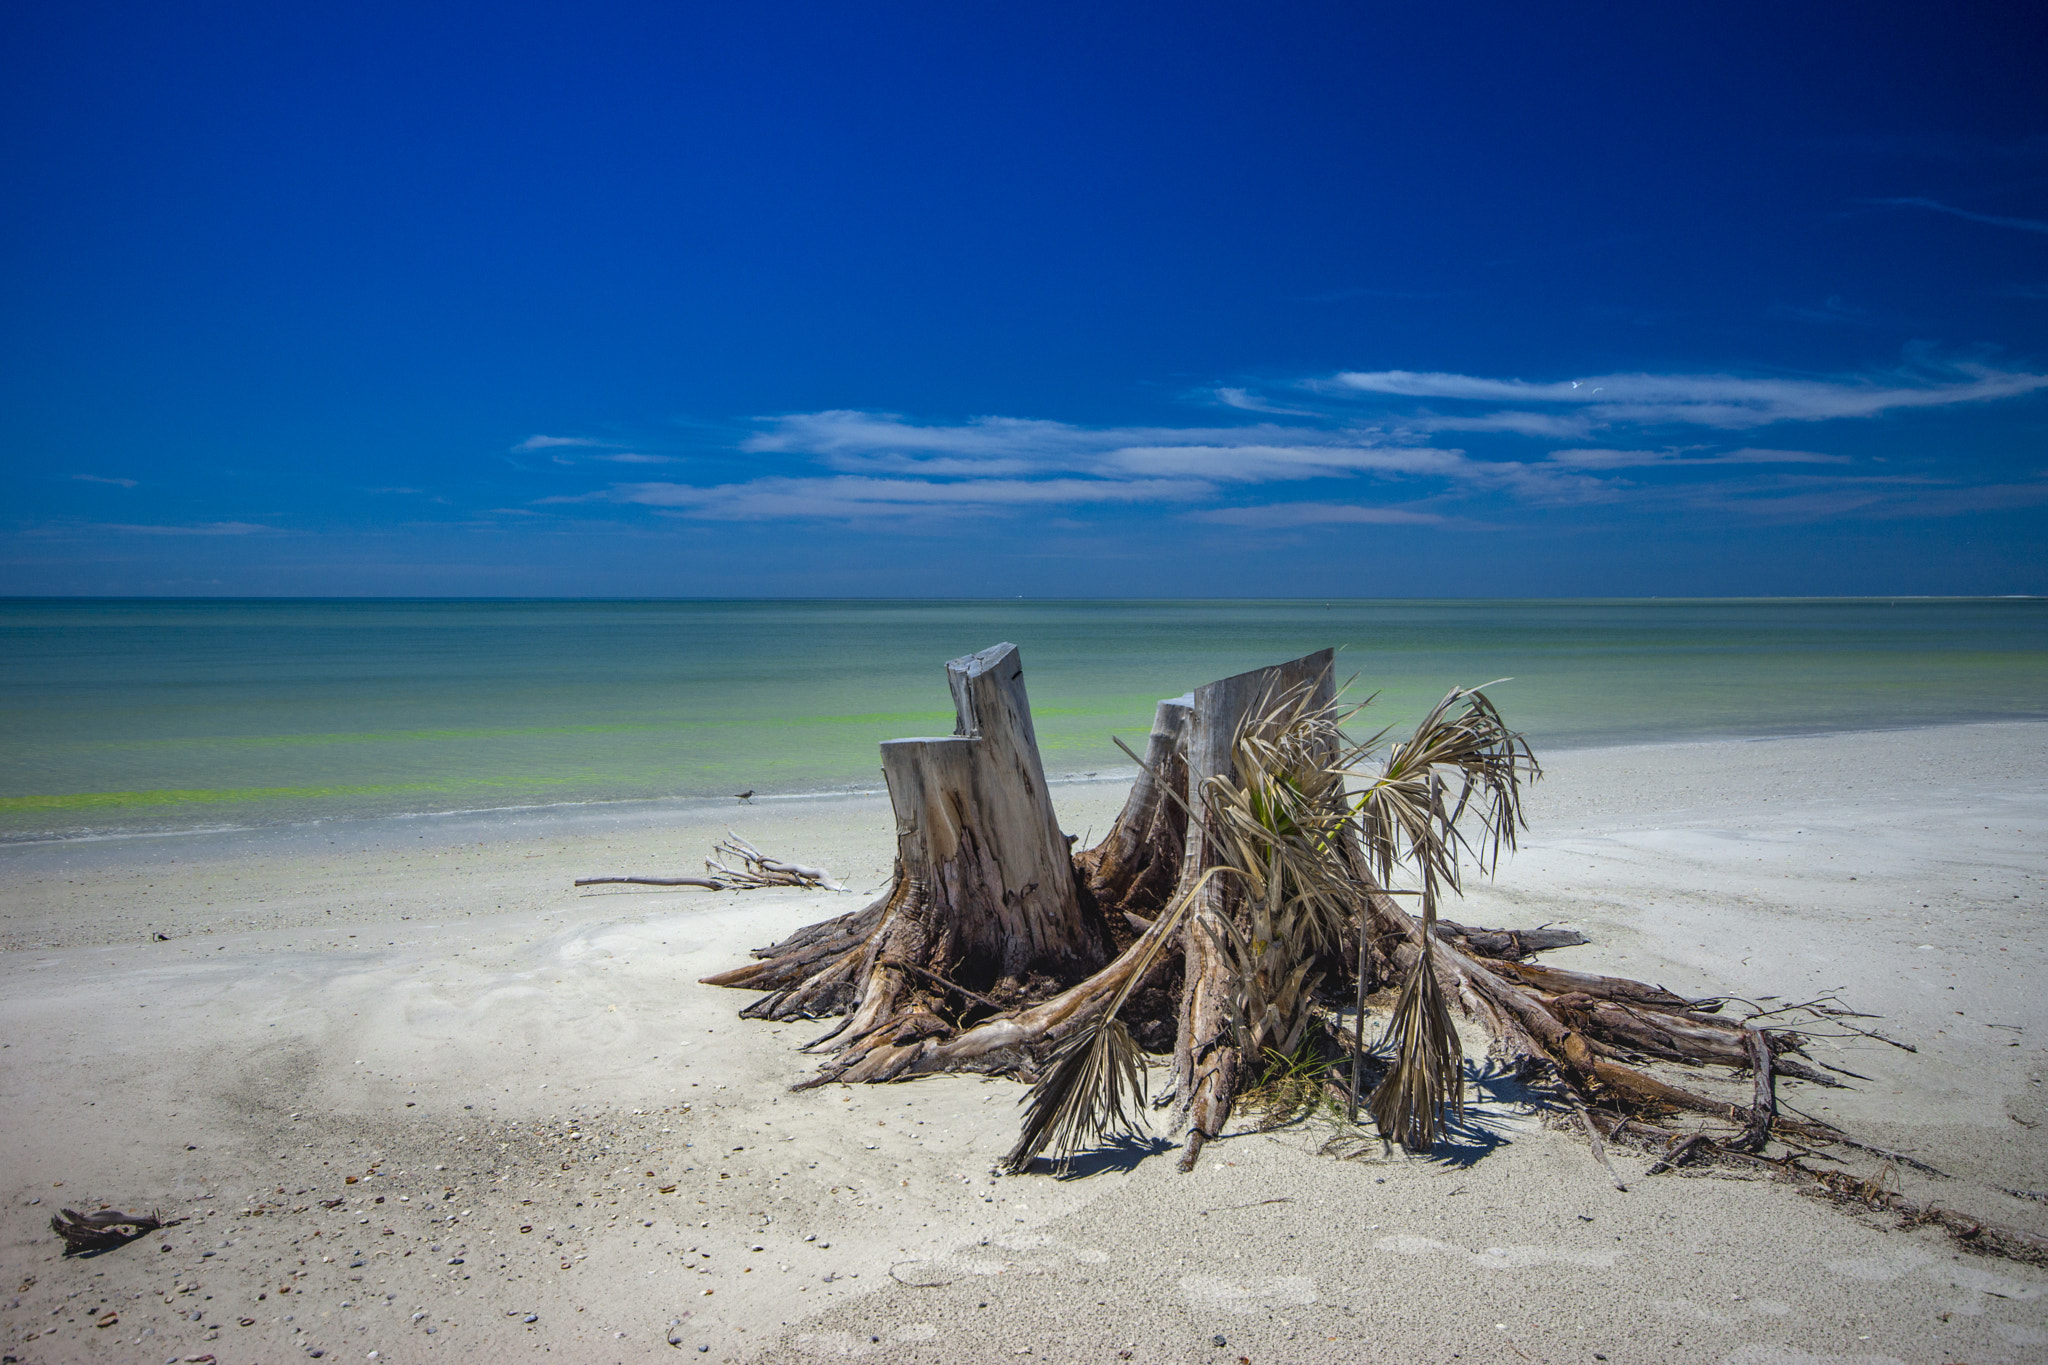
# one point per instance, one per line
(633, 457)
(853, 439)
(101, 478)
(1244, 400)
(1005, 447)
(1380, 452)
(1802, 498)
(1730, 402)
(1274, 515)
(855, 497)
(1992, 219)
(207, 528)
(1645, 459)
(533, 443)
(1266, 453)
(1270, 463)
(1543, 426)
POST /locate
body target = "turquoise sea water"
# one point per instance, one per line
(150, 715)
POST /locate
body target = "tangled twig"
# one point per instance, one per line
(756, 870)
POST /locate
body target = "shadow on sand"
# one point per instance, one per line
(1122, 1155)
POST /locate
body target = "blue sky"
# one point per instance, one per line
(957, 299)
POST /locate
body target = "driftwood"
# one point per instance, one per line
(992, 943)
(1509, 945)
(1681, 1151)
(1593, 1141)
(1135, 867)
(1992, 1239)
(105, 1229)
(1763, 1108)
(756, 870)
(1703, 1150)
(707, 883)
(995, 947)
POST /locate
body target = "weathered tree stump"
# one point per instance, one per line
(985, 908)
(995, 947)
(1135, 868)
(1207, 1065)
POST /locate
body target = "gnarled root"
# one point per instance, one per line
(905, 1043)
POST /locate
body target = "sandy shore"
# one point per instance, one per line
(546, 1139)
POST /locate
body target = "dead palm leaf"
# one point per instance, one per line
(1403, 818)
(1273, 974)
(1429, 1062)
(1097, 1076)
(1281, 817)
(1293, 822)
(1087, 1095)
(1280, 820)
(1401, 812)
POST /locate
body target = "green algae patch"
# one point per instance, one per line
(201, 796)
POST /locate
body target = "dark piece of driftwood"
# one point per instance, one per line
(1510, 945)
(756, 870)
(706, 882)
(105, 1229)
(1559, 981)
(1975, 1234)
(1763, 1109)
(1681, 1152)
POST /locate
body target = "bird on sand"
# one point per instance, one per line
(745, 796)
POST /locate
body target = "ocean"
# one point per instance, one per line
(138, 717)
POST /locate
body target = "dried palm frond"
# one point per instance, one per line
(1090, 1093)
(1281, 818)
(1429, 1063)
(1402, 815)
(1087, 1093)
(1290, 822)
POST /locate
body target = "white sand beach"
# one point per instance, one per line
(546, 1139)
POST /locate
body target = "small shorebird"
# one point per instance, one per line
(744, 797)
